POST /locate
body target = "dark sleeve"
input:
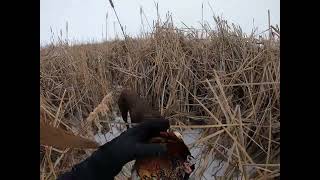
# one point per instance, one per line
(99, 166)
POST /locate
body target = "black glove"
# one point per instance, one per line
(107, 161)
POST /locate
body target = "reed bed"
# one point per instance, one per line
(219, 80)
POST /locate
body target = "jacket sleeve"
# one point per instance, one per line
(99, 166)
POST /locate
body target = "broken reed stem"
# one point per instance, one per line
(230, 135)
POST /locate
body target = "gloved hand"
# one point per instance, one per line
(107, 161)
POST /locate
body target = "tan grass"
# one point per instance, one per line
(228, 79)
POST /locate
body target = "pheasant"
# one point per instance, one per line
(176, 165)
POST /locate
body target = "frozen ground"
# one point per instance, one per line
(213, 168)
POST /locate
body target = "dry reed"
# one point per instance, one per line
(220, 76)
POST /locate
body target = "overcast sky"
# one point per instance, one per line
(87, 18)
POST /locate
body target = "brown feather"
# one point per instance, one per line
(170, 166)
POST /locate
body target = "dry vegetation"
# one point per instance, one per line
(221, 77)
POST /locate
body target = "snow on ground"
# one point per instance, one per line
(213, 167)
(115, 130)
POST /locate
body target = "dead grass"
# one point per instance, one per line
(220, 76)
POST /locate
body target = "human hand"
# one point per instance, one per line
(107, 161)
(132, 144)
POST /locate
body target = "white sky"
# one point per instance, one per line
(87, 18)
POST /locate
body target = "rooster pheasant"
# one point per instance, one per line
(176, 165)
